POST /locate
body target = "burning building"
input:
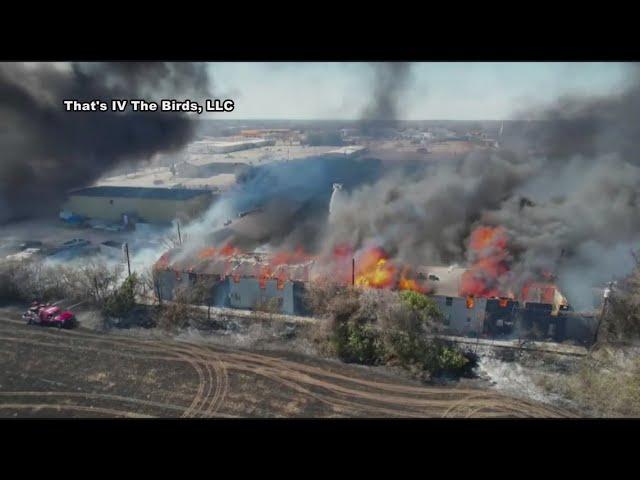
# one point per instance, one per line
(237, 280)
(474, 300)
(482, 311)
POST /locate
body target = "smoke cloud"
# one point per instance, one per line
(565, 188)
(389, 82)
(569, 209)
(45, 151)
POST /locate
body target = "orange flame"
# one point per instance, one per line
(538, 292)
(407, 283)
(470, 301)
(488, 251)
(229, 250)
(374, 270)
(207, 253)
(373, 267)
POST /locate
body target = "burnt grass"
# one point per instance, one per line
(90, 372)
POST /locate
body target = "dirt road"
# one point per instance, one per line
(84, 373)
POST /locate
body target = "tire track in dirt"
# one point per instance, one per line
(341, 392)
(221, 376)
(192, 354)
(146, 346)
(110, 412)
(293, 377)
(196, 359)
(299, 369)
(97, 396)
(395, 399)
(189, 355)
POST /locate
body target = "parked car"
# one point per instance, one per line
(31, 244)
(24, 254)
(76, 242)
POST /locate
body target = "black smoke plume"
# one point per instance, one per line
(46, 151)
(566, 189)
(389, 83)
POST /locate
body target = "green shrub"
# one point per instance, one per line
(415, 351)
(418, 302)
(407, 348)
(358, 343)
(381, 326)
(123, 300)
(451, 360)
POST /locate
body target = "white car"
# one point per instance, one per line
(24, 255)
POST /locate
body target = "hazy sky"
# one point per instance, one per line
(435, 91)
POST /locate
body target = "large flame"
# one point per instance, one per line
(368, 268)
(373, 269)
(489, 256)
(489, 271)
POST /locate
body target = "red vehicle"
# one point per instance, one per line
(49, 315)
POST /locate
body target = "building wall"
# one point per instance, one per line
(581, 328)
(205, 146)
(244, 294)
(500, 317)
(147, 209)
(190, 170)
(247, 293)
(460, 320)
(169, 281)
(532, 319)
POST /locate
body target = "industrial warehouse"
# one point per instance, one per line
(136, 204)
(236, 280)
(255, 281)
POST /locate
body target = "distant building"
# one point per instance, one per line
(131, 204)
(270, 133)
(207, 167)
(349, 151)
(226, 146)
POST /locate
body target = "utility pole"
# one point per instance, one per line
(95, 283)
(353, 271)
(179, 236)
(156, 285)
(605, 303)
(126, 252)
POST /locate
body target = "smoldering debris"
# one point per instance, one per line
(46, 151)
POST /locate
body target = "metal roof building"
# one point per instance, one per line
(152, 205)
